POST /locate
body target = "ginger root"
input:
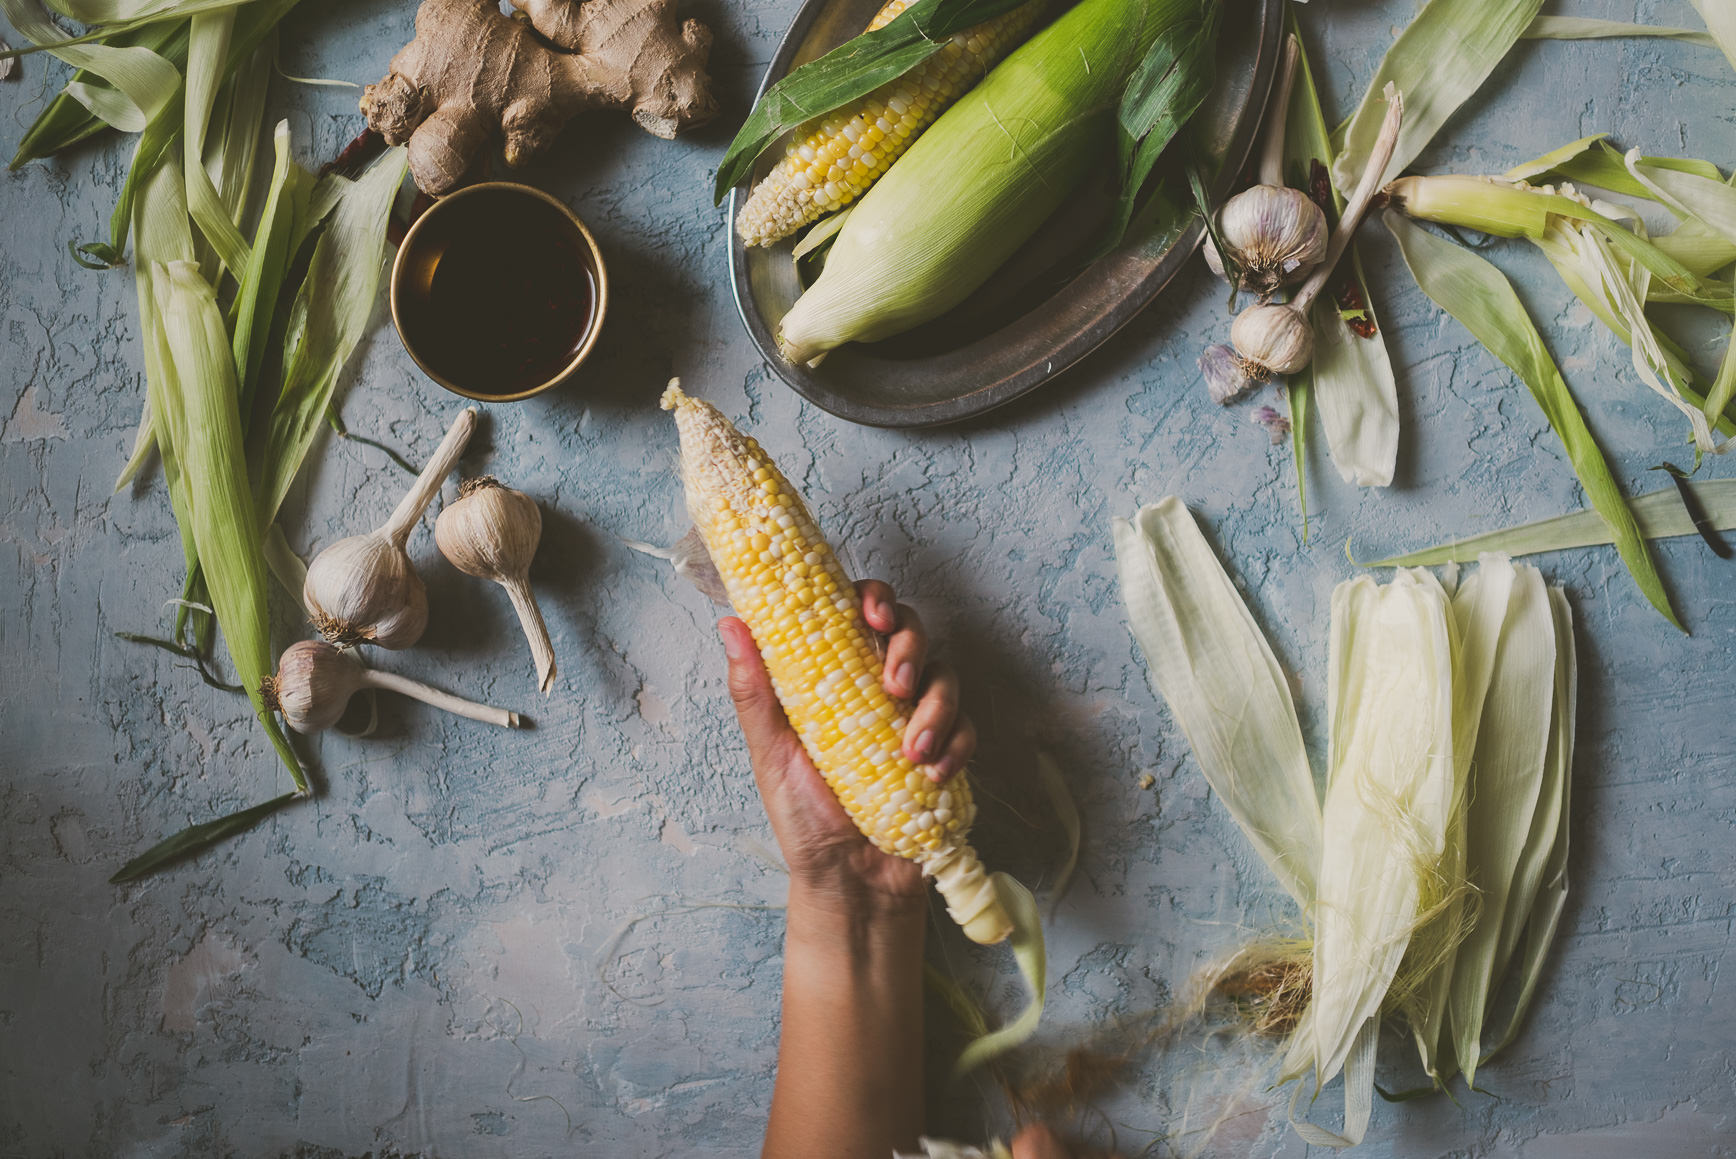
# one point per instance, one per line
(473, 72)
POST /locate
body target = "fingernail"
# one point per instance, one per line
(905, 679)
(924, 743)
(731, 643)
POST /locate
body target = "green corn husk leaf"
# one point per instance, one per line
(1658, 515)
(329, 317)
(1301, 394)
(1026, 943)
(1582, 28)
(1502, 208)
(253, 24)
(1389, 802)
(286, 566)
(847, 73)
(232, 149)
(1210, 662)
(1697, 196)
(109, 22)
(138, 83)
(1538, 169)
(144, 442)
(1616, 291)
(1720, 18)
(1539, 891)
(160, 211)
(1480, 297)
(1723, 390)
(1592, 161)
(1164, 92)
(1506, 780)
(195, 839)
(1438, 61)
(269, 256)
(207, 48)
(65, 121)
(980, 180)
(1611, 287)
(208, 442)
(1350, 379)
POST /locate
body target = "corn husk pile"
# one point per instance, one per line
(1431, 873)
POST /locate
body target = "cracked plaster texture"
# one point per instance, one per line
(567, 941)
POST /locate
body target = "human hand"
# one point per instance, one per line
(822, 846)
(1038, 1142)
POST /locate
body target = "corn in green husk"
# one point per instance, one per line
(977, 184)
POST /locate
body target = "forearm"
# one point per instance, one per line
(849, 1078)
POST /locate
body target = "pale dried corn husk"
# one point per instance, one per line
(1388, 808)
(1539, 890)
(1208, 659)
(1506, 778)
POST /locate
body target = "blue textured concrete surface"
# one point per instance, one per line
(567, 941)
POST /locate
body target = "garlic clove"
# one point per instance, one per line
(364, 590)
(1277, 339)
(1228, 375)
(1277, 424)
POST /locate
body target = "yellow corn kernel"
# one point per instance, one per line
(824, 662)
(834, 160)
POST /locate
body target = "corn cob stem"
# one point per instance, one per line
(787, 585)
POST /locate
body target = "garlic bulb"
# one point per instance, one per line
(315, 681)
(1278, 339)
(1276, 236)
(363, 589)
(492, 532)
(1273, 339)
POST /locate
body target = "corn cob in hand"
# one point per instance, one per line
(832, 161)
(787, 585)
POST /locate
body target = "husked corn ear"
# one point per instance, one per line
(787, 585)
(832, 161)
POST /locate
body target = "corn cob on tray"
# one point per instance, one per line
(785, 582)
(1032, 321)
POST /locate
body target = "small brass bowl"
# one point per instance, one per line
(521, 298)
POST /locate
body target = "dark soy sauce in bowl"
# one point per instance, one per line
(497, 292)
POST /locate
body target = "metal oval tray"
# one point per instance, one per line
(1037, 316)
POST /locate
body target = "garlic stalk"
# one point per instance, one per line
(364, 589)
(1276, 235)
(315, 681)
(492, 532)
(1277, 338)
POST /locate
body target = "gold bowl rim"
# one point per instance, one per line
(598, 269)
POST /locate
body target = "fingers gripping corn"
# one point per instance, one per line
(787, 585)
